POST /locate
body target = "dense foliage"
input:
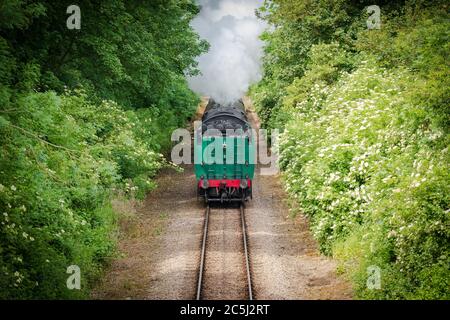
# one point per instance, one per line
(364, 151)
(83, 114)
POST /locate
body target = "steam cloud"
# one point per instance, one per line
(233, 61)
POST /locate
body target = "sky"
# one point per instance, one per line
(233, 62)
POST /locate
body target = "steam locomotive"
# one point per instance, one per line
(224, 150)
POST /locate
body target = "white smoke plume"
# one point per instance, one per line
(233, 62)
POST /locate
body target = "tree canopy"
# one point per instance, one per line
(364, 152)
(85, 115)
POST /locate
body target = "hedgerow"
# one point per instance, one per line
(55, 195)
(85, 115)
(365, 156)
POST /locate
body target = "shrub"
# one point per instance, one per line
(61, 158)
(365, 152)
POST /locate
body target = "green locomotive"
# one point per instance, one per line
(224, 150)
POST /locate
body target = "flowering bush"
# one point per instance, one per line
(365, 155)
(65, 151)
(361, 160)
(54, 196)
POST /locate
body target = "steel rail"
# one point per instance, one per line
(202, 257)
(247, 260)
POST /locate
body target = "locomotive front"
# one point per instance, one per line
(224, 153)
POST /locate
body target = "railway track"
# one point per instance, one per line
(240, 281)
